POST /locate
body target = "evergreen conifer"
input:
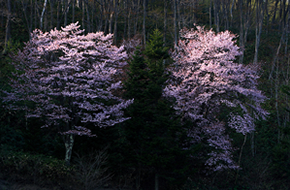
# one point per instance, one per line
(153, 132)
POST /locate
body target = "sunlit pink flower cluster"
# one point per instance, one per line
(205, 80)
(69, 78)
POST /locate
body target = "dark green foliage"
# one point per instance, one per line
(280, 153)
(153, 135)
(32, 166)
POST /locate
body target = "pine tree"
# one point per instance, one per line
(153, 131)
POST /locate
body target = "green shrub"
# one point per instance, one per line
(33, 167)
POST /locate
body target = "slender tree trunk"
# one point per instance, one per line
(138, 178)
(111, 13)
(35, 14)
(88, 17)
(73, 10)
(282, 14)
(137, 17)
(241, 37)
(42, 14)
(45, 22)
(175, 20)
(106, 17)
(93, 17)
(231, 12)
(216, 15)
(276, 102)
(247, 21)
(209, 11)
(101, 17)
(31, 18)
(125, 21)
(178, 14)
(165, 21)
(51, 14)
(69, 142)
(193, 12)
(259, 23)
(29, 26)
(83, 14)
(156, 181)
(225, 13)
(129, 20)
(253, 143)
(7, 27)
(65, 12)
(116, 20)
(144, 22)
(267, 16)
(277, 53)
(57, 15)
(274, 14)
(240, 156)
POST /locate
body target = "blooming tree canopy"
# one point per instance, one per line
(69, 78)
(205, 80)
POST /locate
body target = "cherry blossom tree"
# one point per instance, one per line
(68, 76)
(205, 81)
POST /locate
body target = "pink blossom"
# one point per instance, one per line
(69, 77)
(205, 78)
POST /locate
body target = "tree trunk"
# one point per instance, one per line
(111, 13)
(45, 21)
(57, 15)
(178, 14)
(165, 21)
(231, 12)
(277, 54)
(101, 17)
(276, 101)
(241, 37)
(274, 14)
(253, 143)
(31, 19)
(193, 12)
(65, 12)
(73, 10)
(69, 142)
(116, 20)
(248, 21)
(51, 14)
(138, 178)
(156, 181)
(29, 25)
(209, 13)
(88, 17)
(259, 23)
(125, 21)
(35, 15)
(225, 12)
(216, 15)
(7, 31)
(129, 20)
(137, 16)
(144, 22)
(175, 20)
(83, 14)
(42, 14)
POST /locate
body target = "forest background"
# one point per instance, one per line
(31, 154)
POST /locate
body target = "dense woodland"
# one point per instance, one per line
(147, 132)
